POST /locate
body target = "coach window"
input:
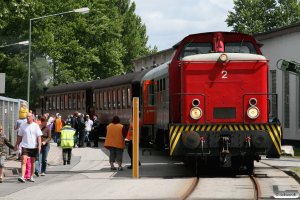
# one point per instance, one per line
(47, 103)
(96, 99)
(129, 97)
(78, 100)
(74, 100)
(70, 101)
(57, 102)
(109, 99)
(62, 102)
(50, 102)
(100, 100)
(66, 101)
(83, 100)
(114, 93)
(105, 100)
(119, 98)
(150, 95)
(54, 102)
(124, 98)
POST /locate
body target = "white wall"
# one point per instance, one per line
(286, 47)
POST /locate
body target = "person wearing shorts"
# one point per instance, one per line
(29, 136)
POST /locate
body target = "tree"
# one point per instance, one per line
(102, 43)
(254, 16)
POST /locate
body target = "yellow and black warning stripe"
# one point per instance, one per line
(274, 131)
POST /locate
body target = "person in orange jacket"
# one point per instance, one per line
(130, 144)
(58, 124)
(115, 142)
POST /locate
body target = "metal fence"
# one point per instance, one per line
(9, 113)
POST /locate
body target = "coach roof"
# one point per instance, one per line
(69, 87)
(119, 80)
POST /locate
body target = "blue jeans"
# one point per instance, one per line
(41, 162)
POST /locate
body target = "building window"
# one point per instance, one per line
(286, 100)
(274, 108)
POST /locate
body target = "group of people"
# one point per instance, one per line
(35, 134)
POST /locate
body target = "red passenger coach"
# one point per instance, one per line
(212, 99)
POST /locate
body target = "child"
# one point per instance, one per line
(3, 142)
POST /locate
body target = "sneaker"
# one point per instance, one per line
(129, 167)
(1, 180)
(31, 179)
(113, 168)
(43, 174)
(21, 179)
(36, 173)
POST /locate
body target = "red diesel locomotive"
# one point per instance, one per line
(209, 104)
(212, 100)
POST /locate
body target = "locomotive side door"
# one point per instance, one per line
(149, 109)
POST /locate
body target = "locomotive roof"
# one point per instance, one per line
(119, 80)
(69, 87)
(210, 33)
(157, 72)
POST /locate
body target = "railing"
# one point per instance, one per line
(9, 113)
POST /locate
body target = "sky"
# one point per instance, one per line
(169, 21)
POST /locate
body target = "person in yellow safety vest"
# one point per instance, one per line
(115, 142)
(67, 142)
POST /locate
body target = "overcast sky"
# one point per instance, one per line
(169, 21)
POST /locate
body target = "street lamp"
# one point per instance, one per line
(79, 10)
(18, 43)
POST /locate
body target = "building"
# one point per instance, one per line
(284, 43)
(153, 60)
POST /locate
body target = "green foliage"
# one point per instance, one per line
(254, 16)
(69, 47)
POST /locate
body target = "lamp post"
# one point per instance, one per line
(18, 43)
(80, 10)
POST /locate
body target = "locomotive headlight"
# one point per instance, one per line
(253, 112)
(252, 101)
(223, 57)
(196, 113)
(196, 102)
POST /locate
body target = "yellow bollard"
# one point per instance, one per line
(135, 160)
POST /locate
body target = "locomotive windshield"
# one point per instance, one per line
(206, 47)
(195, 48)
(240, 47)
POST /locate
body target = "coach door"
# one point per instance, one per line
(148, 102)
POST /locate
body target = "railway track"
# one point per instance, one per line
(268, 182)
